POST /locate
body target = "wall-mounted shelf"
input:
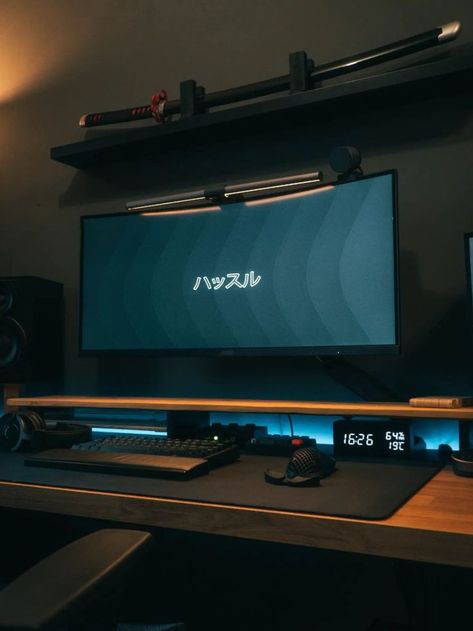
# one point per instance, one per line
(441, 77)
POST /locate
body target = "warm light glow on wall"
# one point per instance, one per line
(37, 42)
(23, 64)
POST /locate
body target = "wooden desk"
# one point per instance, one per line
(436, 525)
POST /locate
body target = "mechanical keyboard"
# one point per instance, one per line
(132, 455)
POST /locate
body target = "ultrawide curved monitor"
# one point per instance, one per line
(311, 272)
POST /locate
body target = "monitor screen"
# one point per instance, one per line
(311, 272)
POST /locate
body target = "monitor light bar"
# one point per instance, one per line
(298, 181)
(196, 199)
(168, 202)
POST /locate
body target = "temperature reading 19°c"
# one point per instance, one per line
(396, 440)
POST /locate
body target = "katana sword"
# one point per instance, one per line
(160, 107)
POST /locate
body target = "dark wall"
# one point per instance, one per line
(60, 60)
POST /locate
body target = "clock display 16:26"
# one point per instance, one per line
(377, 438)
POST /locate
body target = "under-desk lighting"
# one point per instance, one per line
(128, 430)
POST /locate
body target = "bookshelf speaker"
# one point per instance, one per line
(31, 330)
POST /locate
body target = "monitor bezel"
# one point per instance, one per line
(378, 349)
(469, 278)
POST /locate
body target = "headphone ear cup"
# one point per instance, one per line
(36, 419)
(15, 430)
(9, 430)
(27, 425)
(28, 429)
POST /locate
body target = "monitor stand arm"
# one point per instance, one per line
(357, 380)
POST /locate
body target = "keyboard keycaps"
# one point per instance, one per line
(129, 455)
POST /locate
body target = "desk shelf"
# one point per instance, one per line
(463, 415)
(424, 80)
(397, 410)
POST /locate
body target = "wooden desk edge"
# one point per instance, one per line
(401, 536)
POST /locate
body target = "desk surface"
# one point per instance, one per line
(436, 525)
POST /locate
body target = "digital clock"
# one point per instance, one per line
(372, 438)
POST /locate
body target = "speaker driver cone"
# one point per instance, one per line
(12, 342)
(6, 297)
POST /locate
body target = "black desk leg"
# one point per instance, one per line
(464, 434)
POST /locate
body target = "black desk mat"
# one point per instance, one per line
(364, 490)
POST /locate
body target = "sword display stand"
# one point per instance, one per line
(303, 101)
(303, 75)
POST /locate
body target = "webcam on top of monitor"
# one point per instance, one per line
(346, 161)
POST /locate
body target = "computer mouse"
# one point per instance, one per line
(306, 467)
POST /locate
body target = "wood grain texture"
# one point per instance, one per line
(436, 525)
(247, 405)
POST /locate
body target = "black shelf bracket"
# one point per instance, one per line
(191, 98)
(300, 71)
